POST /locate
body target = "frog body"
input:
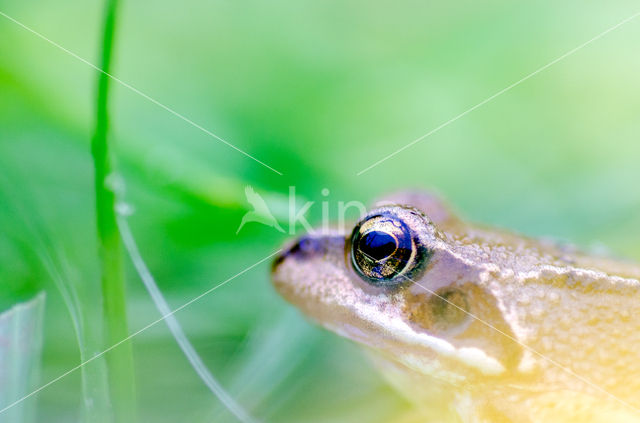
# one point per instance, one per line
(475, 324)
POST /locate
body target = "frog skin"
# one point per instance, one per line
(471, 323)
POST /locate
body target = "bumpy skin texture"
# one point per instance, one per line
(538, 333)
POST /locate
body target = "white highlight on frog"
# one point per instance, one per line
(395, 325)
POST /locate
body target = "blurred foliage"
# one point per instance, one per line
(20, 348)
(319, 91)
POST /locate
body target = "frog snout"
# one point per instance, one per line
(310, 246)
(309, 269)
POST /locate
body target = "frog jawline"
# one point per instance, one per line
(471, 356)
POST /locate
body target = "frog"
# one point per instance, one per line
(470, 322)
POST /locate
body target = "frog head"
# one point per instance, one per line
(401, 282)
(507, 323)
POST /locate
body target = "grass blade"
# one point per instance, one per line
(175, 328)
(120, 361)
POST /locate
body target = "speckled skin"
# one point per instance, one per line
(547, 333)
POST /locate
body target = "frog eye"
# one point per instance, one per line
(385, 250)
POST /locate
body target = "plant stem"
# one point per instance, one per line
(120, 360)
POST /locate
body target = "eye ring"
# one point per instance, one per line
(385, 247)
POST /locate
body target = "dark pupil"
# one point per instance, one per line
(377, 245)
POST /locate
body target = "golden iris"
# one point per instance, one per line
(384, 250)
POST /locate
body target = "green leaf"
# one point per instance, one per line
(20, 348)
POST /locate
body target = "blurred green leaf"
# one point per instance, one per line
(21, 345)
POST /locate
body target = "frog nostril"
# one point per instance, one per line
(305, 246)
(300, 248)
(277, 261)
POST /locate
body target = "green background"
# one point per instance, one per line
(319, 91)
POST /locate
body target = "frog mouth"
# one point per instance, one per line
(403, 337)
